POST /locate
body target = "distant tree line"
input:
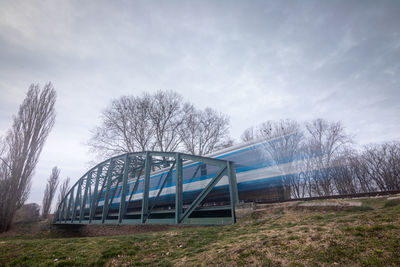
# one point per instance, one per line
(327, 164)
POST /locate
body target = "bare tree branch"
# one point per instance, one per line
(158, 121)
(50, 191)
(64, 188)
(21, 149)
(203, 132)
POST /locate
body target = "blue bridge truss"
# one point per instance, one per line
(153, 188)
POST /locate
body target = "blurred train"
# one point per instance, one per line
(259, 176)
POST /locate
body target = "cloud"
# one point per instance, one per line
(254, 61)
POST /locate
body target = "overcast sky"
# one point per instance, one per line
(253, 60)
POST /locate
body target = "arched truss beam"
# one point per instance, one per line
(122, 190)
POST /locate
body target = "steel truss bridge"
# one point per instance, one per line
(153, 188)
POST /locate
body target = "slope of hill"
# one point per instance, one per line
(278, 235)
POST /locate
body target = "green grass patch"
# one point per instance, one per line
(391, 203)
(293, 237)
(362, 208)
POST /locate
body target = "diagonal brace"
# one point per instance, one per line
(134, 188)
(203, 194)
(159, 191)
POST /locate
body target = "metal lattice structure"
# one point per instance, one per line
(153, 187)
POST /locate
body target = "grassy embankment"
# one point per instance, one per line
(362, 236)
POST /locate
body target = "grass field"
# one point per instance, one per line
(361, 236)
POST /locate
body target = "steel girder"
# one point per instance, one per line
(109, 192)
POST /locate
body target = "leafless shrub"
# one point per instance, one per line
(21, 149)
(50, 191)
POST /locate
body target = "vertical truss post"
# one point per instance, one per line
(77, 200)
(109, 177)
(61, 210)
(71, 197)
(57, 215)
(58, 212)
(233, 193)
(64, 209)
(122, 201)
(179, 188)
(85, 195)
(89, 195)
(94, 196)
(146, 187)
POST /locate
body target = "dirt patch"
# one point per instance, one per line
(327, 205)
(28, 229)
(113, 230)
(46, 229)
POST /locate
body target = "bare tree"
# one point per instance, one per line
(64, 188)
(21, 149)
(284, 150)
(166, 114)
(248, 135)
(360, 174)
(132, 124)
(126, 127)
(321, 162)
(325, 141)
(381, 163)
(50, 191)
(343, 174)
(159, 121)
(203, 132)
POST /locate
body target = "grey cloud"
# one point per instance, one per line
(253, 60)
